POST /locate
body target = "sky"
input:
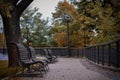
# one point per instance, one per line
(46, 7)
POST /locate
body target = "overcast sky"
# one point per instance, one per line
(46, 7)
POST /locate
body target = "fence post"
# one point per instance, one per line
(94, 53)
(98, 54)
(102, 54)
(118, 53)
(90, 53)
(84, 52)
(109, 54)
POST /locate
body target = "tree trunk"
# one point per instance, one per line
(12, 34)
(10, 11)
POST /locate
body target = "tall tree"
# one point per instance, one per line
(80, 25)
(10, 11)
(66, 7)
(116, 15)
(34, 29)
(105, 14)
(58, 35)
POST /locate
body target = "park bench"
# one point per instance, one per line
(35, 58)
(25, 61)
(49, 55)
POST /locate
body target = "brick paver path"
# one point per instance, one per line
(69, 69)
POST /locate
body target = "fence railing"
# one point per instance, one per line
(62, 51)
(105, 54)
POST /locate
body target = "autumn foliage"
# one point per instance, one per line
(93, 22)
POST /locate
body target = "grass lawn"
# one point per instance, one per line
(4, 70)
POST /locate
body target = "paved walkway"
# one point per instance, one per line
(69, 69)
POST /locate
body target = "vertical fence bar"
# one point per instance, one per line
(98, 54)
(109, 46)
(105, 56)
(86, 51)
(94, 54)
(90, 53)
(102, 54)
(118, 54)
(82, 52)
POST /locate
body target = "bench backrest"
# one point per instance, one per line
(22, 53)
(48, 52)
(32, 52)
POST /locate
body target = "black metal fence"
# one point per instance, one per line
(62, 51)
(105, 54)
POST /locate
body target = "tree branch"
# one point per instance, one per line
(13, 2)
(16, 1)
(22, 6)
